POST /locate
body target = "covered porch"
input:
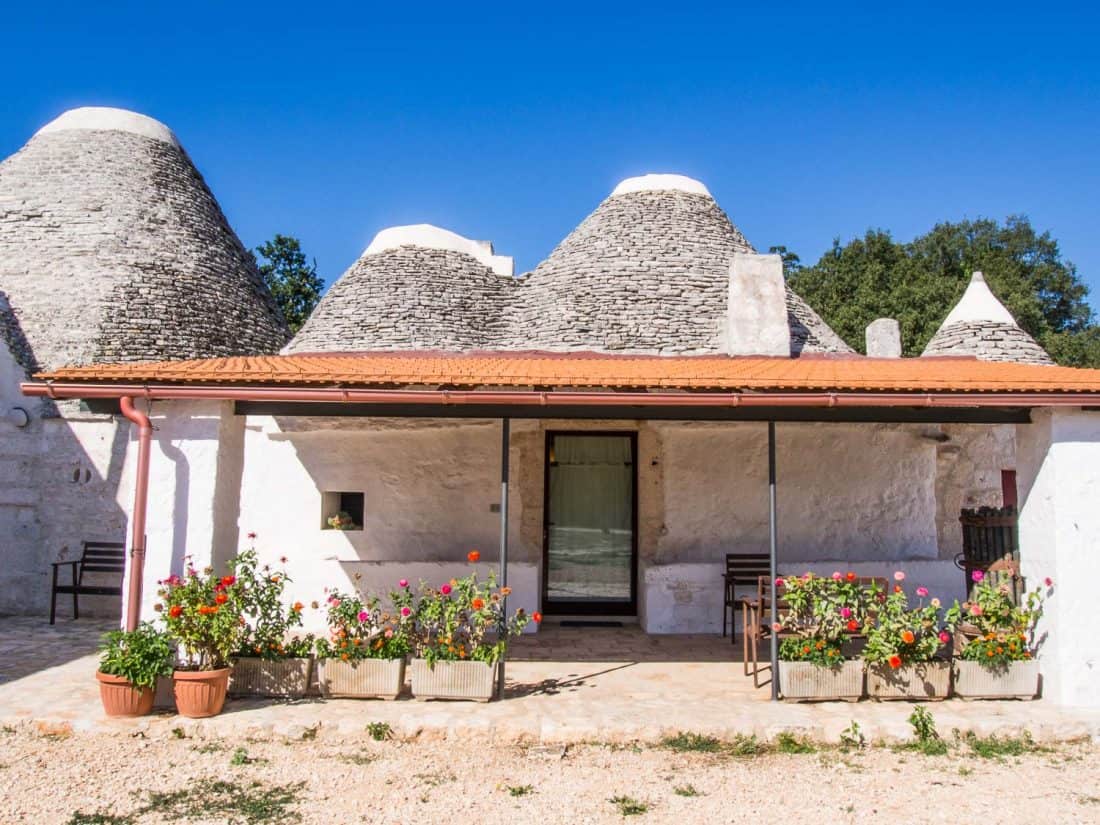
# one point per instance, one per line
(819, 463)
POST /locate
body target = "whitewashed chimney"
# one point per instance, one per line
(758, 306)
(884, 338)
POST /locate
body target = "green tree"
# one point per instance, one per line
(293, 282)
(918, 282)
(791, 262)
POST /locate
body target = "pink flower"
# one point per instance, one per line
(363, 615)
(779, 582)
(777, 627)
(945, 637)
(406, 611)
(977, 575)
(975, 610)
(846, 612)
(922, 591)
(445, 590)
(252, 535)
(388, 633)
(1048, 581)
(899, 576)
(403, 583)
(837, 576)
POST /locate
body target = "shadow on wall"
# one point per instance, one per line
(61, 475)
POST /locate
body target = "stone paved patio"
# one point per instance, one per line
(563, 685)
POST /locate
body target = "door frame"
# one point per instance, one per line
(588, 608)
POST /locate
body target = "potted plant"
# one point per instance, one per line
(202, 612)
(130, 664)
(904, 645)
(273, 659)
(462, 633)
(997, 660)
(822, 614)
(364, 656)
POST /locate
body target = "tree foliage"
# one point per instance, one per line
(919, 282)
(293, 282)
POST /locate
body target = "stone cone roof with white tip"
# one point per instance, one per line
(647, 272)
(112, 248)
(979, 325)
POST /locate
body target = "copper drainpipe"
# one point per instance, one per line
(141, 501)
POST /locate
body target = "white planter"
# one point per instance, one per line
(453, 680)
(807, 682)
(284, 679)
(922, 680)
(363, 679)
(1018, 680)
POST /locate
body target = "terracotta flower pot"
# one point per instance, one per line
(120, 698)
(200, 693)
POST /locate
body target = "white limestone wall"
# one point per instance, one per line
(1059, 484)
(59, 478)
(429, 493)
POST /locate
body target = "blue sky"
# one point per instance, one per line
(511, 122)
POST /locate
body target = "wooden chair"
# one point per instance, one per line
(96, 557)
(742, 570)
(756, 615)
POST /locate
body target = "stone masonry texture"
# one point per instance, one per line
(646, 272)
(988, 341)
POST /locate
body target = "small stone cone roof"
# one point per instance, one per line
(415, 287)
(979, 325)
(113, 249)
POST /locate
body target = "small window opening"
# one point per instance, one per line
(341, 511)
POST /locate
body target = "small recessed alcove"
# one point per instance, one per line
(335, 504)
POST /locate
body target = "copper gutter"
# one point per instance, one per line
(141, 501)
(763, 398)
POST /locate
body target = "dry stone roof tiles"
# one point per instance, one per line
(647, 272)
(113, 249)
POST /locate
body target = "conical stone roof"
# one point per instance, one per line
(112, 248)
(981, 326)
(648, 272)
(415, 287)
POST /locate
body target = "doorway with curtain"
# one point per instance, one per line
(590, 558)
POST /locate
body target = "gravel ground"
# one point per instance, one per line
(51, 779)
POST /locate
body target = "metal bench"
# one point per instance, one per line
(96, 557)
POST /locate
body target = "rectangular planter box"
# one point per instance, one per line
(923, 680)
(453, 680)
(1020, 680)
(363, 679)
(807, 682)
(285, 679)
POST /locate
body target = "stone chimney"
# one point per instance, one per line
(884, 339)
(757, 307)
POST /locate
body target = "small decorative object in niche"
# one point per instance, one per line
(341, 511)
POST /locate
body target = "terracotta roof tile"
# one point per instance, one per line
(596, 370)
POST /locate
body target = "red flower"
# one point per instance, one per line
(175, 611)
(473, 557)
(221, 598)
(853, 626)
(895, 662)
(252, 535)
(537, 617)
(850, 576)
(477, 604)
(229, 580)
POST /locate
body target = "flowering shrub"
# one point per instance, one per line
(202, 611)
(464, 619)
(900, 634)
(1005, 630)
(269, 625)
(821, 612)
(361, 629)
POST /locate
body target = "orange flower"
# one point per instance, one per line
(897, 588)
(297, 607)
(908, 637)
(221, 598)
(989, 653)
(819, 644)
(473, 557)
(850, 576)
(505, 591)
(805, 648)
(477, 604)
(895, 662)
(175, 611)
(344, 656)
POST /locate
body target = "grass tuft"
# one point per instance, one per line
(99, 818)
(218, 800)
(629, 806)
(379, 731)
(787, 742)
(998, 747)
(520, 790)
(686, 790)
(692, 743)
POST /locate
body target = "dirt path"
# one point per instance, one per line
(130, 780)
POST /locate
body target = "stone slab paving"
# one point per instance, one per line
(563, 685)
